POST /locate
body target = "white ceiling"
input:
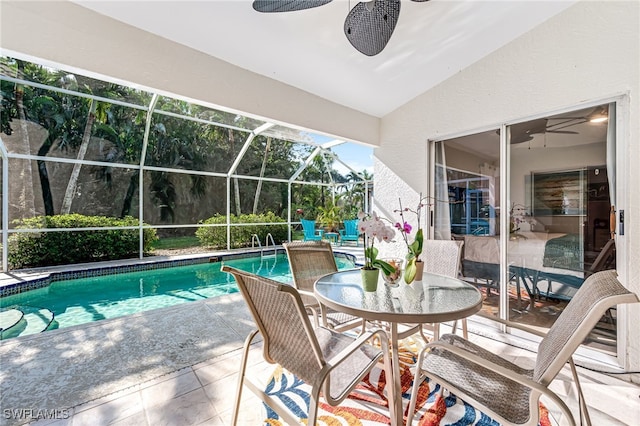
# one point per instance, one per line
(308, 49)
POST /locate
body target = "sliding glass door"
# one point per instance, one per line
(467, 188)
(554, 221)
(560, 198)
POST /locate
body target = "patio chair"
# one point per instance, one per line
(350, 232)
(442, 257)
(505, 391)
(309, 260)
(605, 260)
(310, 231)
(333, 364)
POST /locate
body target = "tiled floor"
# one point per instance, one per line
(202, 393)
(178, 366)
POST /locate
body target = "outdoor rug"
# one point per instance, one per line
(367, 405)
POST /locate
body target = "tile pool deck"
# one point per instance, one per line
(177, 366)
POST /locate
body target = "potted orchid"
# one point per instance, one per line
(374, 228)
(414, 265)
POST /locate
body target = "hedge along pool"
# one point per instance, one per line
(69, 302)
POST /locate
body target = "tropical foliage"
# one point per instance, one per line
(33, 249)
(104, 149)
(241, 235)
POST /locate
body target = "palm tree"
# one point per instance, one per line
(97, 111)
(262, 168)
(25, 172)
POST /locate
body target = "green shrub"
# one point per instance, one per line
(216, 236)
(35, 249)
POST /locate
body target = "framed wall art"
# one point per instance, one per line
(559, 193)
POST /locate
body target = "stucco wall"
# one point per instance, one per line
(588, 53)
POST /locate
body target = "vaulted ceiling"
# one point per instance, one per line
(308, 49)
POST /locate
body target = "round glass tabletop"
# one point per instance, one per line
(434, 299)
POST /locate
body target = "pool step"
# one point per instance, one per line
(10, 318)
(23, 320)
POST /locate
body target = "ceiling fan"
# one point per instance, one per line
(523, 132)
(368, 25)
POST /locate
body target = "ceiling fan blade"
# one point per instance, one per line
(564, 132)
(530, 127)
(268, 6)
(519, 137)
(369, 25)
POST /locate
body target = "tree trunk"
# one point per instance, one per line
(128, 199)
(47, 197)
(236, 185)
(259, 187)
(24, 174)
(82, 151)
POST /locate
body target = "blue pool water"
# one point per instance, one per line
(84, 300)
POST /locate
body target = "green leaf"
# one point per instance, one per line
(416, 246)
(410, 271)
(420, 241)
(386, 268)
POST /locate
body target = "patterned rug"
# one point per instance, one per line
(368, 406)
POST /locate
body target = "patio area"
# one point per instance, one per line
(178, 366)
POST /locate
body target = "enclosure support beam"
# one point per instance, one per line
(143, 155)
(5, 207)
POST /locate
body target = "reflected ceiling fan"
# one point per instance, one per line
(368, 26)
(523, 132)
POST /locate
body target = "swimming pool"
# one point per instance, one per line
(69, 302)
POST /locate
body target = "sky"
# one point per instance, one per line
(359, 157)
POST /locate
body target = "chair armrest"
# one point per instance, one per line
(362, 339)
(503, 371)
(342, 232)
(306, 293)
(320, 232)
(345, 354)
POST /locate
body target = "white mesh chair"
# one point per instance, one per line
(309, 260)
(442, 257)
(503, 390)
(330, 362)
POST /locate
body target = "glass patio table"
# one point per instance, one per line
(435, 299)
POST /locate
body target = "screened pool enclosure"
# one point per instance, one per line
(108, 165)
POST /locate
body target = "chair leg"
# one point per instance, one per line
(582, 404)
(424, 338)
(417, 380)
(314, 396)
(314, 314)
(243, 368)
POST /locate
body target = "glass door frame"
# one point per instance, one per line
(620, 105)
